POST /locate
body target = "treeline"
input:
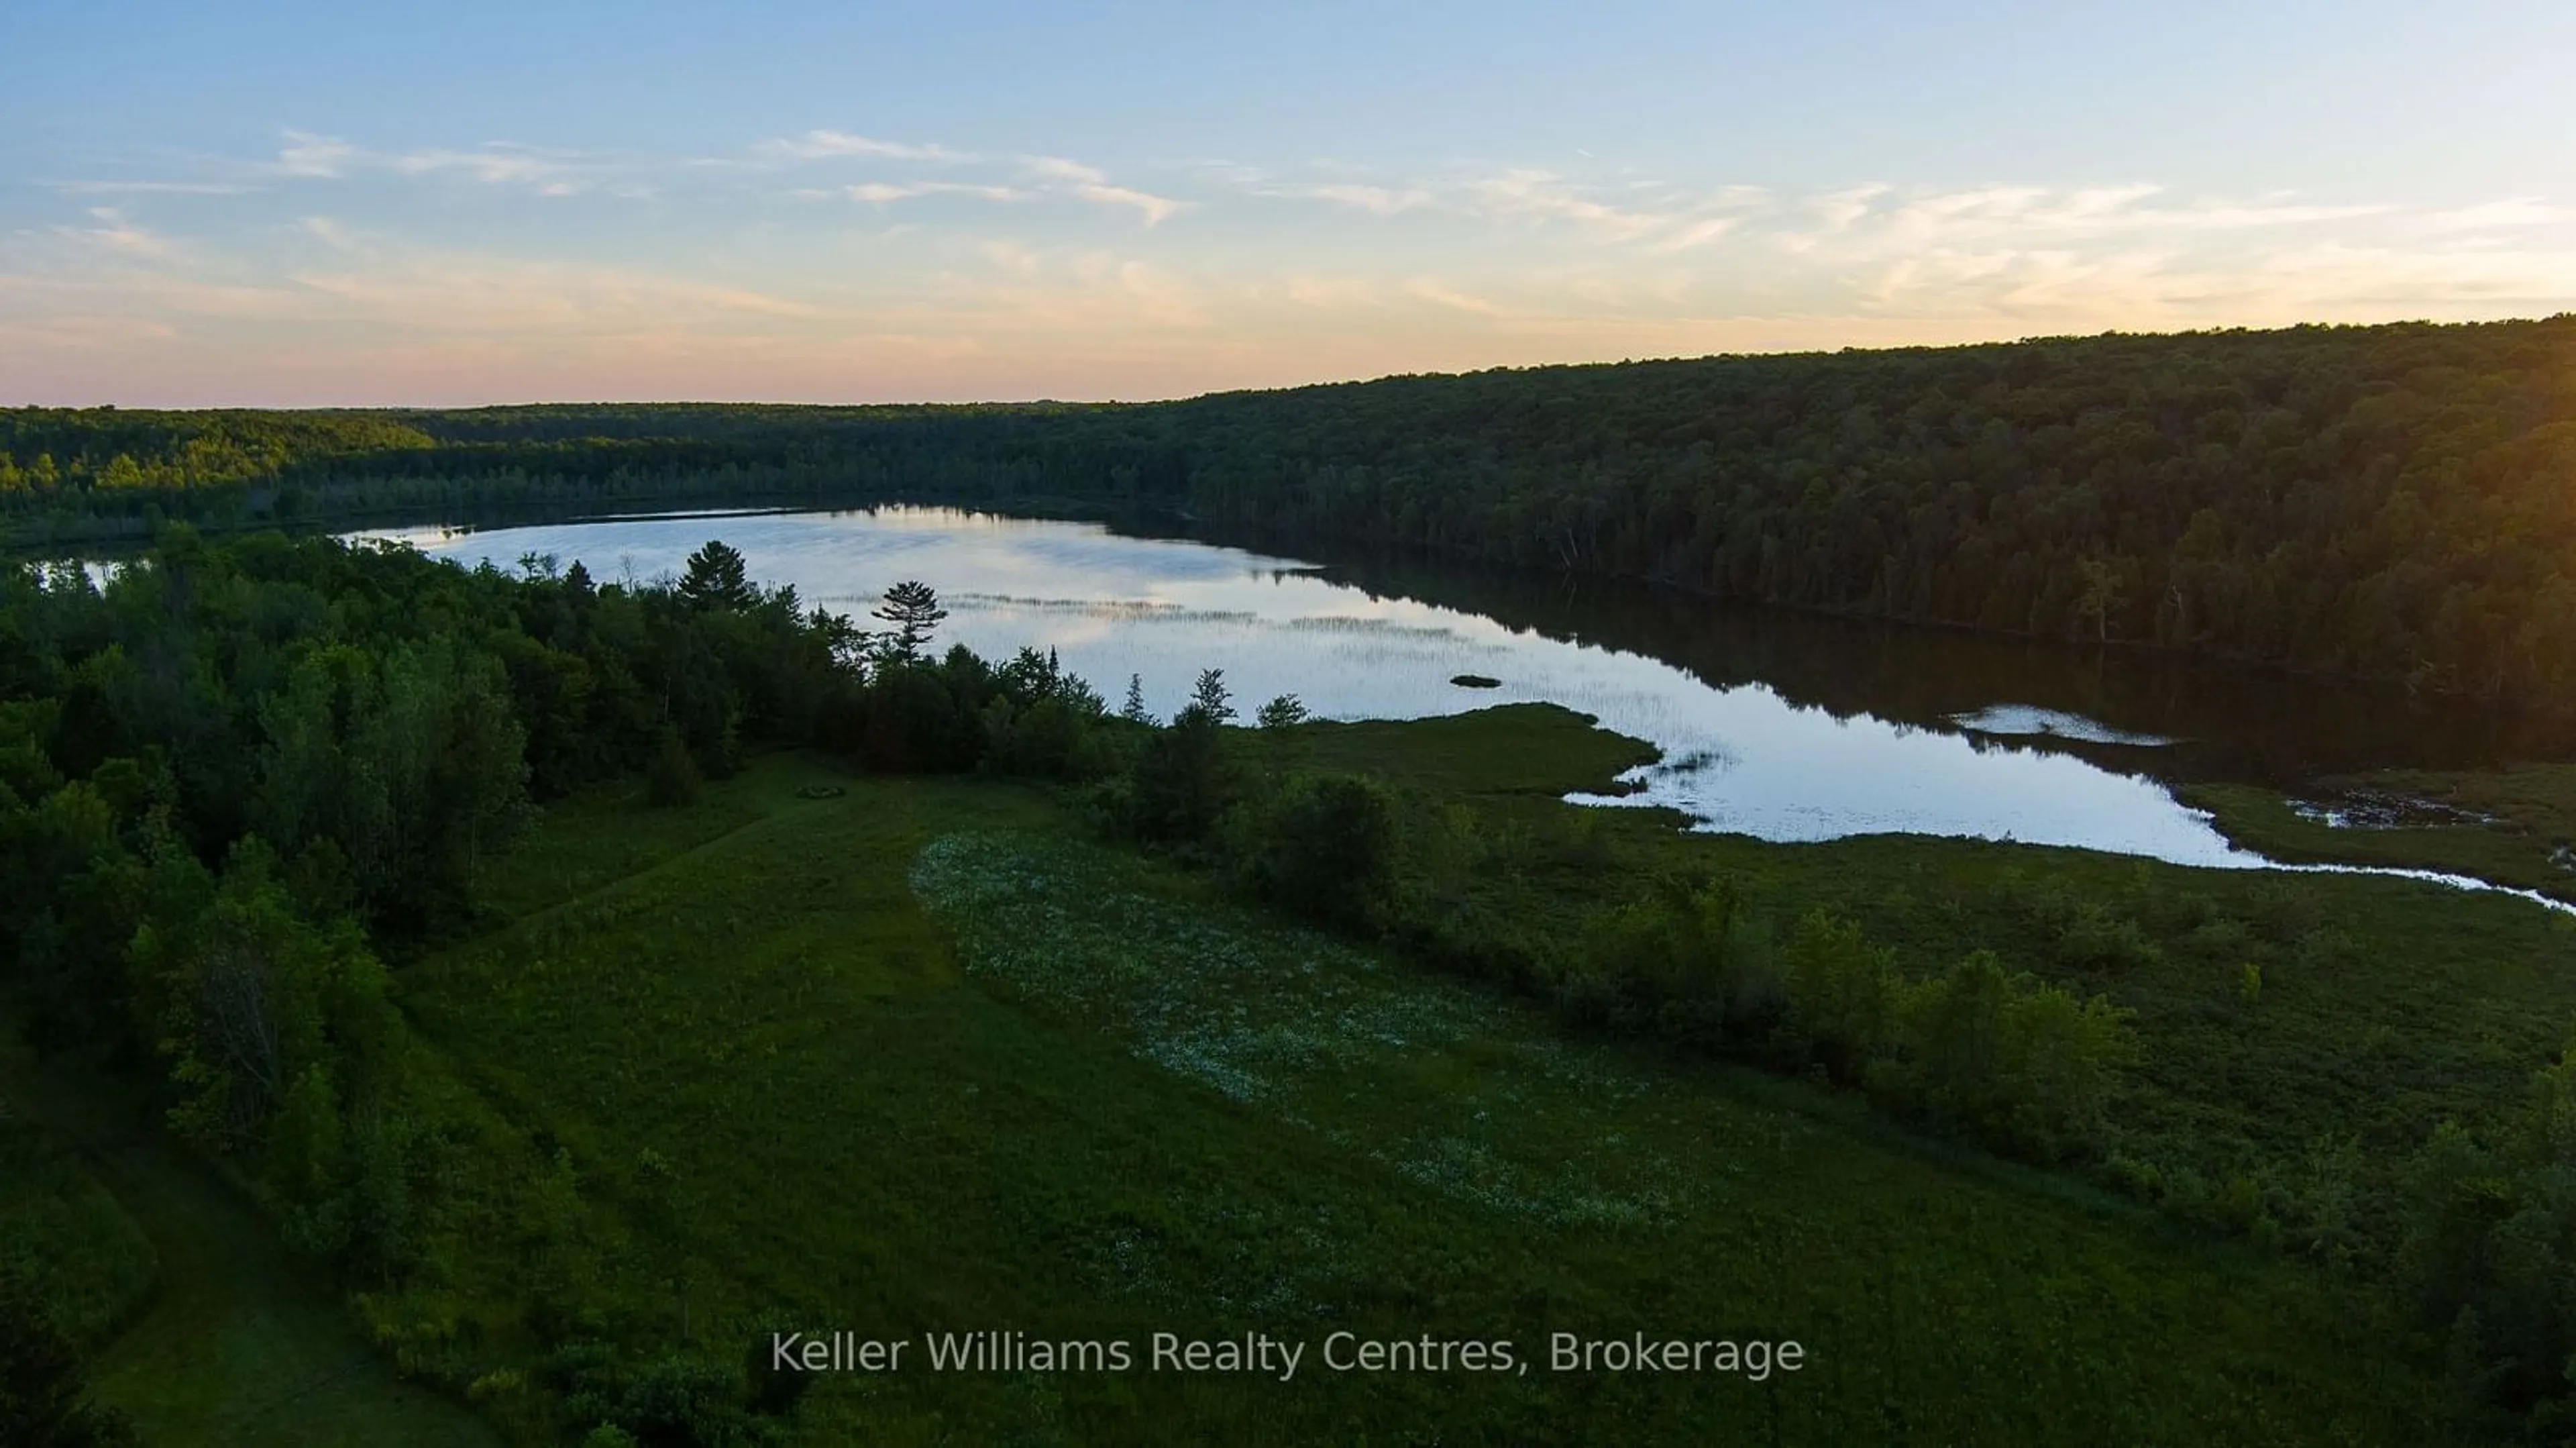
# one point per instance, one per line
(105, 449)
(2385, 502)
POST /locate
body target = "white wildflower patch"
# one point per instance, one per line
(1474, 1172)
(1246, 1008)
(1452, 1089)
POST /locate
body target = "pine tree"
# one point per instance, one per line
(1210, 697)
(913, 608)
(718, 578)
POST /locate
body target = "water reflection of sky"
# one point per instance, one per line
(1114, 606)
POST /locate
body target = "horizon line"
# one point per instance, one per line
(2026, 340)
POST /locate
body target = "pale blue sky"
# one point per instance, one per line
(306, 203)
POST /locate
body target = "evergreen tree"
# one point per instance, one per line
(913, 608)
(1209, 697)
(718, 578)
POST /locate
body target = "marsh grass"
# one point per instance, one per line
(2514, 826)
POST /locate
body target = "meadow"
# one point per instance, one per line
(923, 1056)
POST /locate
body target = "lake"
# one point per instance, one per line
(1774, 724)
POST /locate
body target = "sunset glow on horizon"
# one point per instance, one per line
(285, 204)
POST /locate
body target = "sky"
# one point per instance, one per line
(305, 204)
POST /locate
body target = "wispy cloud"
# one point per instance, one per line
(1038, 176)
(1011, 255)
(329, 232)
(1070, 291)
(494, 165)
(544, 172)
(1155, 209)
(114, 232)
(2028, 212)
(823, 145)
(150, 188)
(459, 292)
(306, 154)
(1543, 196)
(1092, 184)
(2520, 211)
(1838, 211)
(1696, 234)
(884, 192)
(1057, 168)
(1666, 219)
(1378, 200)
(1442, 294)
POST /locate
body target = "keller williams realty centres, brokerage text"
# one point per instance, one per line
(1007, 1351)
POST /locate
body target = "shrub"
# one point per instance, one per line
(1843, 994)
(42, 1394)
(2095, 937)
(1690, 962)
(1181, 782)
(2024, 1065)
(672, 779)
(1324, 847)
(675, 1402)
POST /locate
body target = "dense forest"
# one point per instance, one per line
(2388, 503)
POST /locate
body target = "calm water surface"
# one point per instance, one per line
(1773, 725)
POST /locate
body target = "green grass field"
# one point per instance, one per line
(921, 1058)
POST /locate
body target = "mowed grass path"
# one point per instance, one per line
(784, 1081)
(239, 1342)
